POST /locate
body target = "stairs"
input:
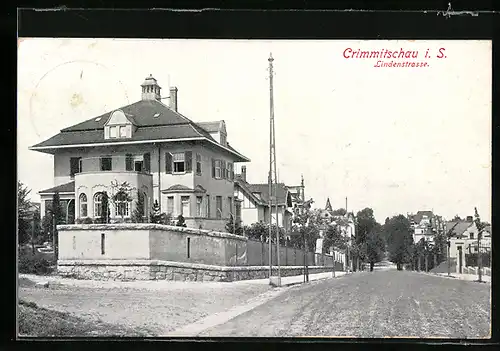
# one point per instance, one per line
(443, 266)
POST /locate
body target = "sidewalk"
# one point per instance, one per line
(293, 280)
(169, 284)
(468, 277)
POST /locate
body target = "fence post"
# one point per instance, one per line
(295, 256)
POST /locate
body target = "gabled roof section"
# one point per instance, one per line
(142, 112)
(459, 227)
(245, 187)
(155, 122)
(63, 188)
(283, 195)
(118, 117)
(213, 127)
(417, 218)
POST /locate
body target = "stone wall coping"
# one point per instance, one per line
(149, 226)
(175, 264)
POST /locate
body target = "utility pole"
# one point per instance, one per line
(479, 227)
(348, 258)
(272, 174)
(33, 234)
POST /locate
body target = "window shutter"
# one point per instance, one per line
(168, 163)
(213, 168)
(128, 162)
(147, 162)
(188, 160)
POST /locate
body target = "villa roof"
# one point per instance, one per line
(211, 127)
(154, 121)
(459, 229)
(63, 188)
(420, 214)
(260, 192)
(263, 191)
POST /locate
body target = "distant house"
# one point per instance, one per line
(252, 202)
(186, 167)
(425, 225)
(464, 237)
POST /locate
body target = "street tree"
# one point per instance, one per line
(23, 213)
(333, 237)
(234, 227)
(480, 227)
(138, 214)
(365, 223)
(374, 246)
(260, 231)
(399, 240)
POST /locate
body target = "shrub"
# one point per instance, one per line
(34, 264)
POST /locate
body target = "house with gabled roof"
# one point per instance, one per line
(463, 236)
(252, 202)
(425, 225)
(186, 167)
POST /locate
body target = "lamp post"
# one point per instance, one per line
(479, 257)
(448, 256)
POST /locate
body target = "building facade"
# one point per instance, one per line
(426, 225)
(252, 202)
(156, 152)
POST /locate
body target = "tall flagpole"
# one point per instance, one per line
(272, 173)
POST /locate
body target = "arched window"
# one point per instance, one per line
(98, 205)
(83, 206)
(122, 205)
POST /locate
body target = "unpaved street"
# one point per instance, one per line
(377, 304)
(158, 310)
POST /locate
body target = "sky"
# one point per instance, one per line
(395, 139)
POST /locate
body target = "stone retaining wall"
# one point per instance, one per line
(127, 270)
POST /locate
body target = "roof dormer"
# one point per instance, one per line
(217, 130)
(118, 126)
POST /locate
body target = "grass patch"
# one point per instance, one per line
(42, 322)
(25, 283)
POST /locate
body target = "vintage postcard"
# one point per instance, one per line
(254, 188)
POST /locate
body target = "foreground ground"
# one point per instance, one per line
(384, 303)
(155, 310)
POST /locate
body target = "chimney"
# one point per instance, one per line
(150, 89)
(469, 219)
(244, 173)
(173, 98)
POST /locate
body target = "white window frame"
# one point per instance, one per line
(97, 203)
(185, 199)
(111, 129)
(124, 129)
(119, 205)
(170, 201)
(83, 201)
(198, 163)
(199, 206)
(218, 169)
(179, 156)
(218, 214)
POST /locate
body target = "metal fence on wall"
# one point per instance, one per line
(258, 255)
(471, 258)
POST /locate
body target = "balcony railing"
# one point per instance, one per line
(132, 163)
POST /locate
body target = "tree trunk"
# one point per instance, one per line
(371, 266)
